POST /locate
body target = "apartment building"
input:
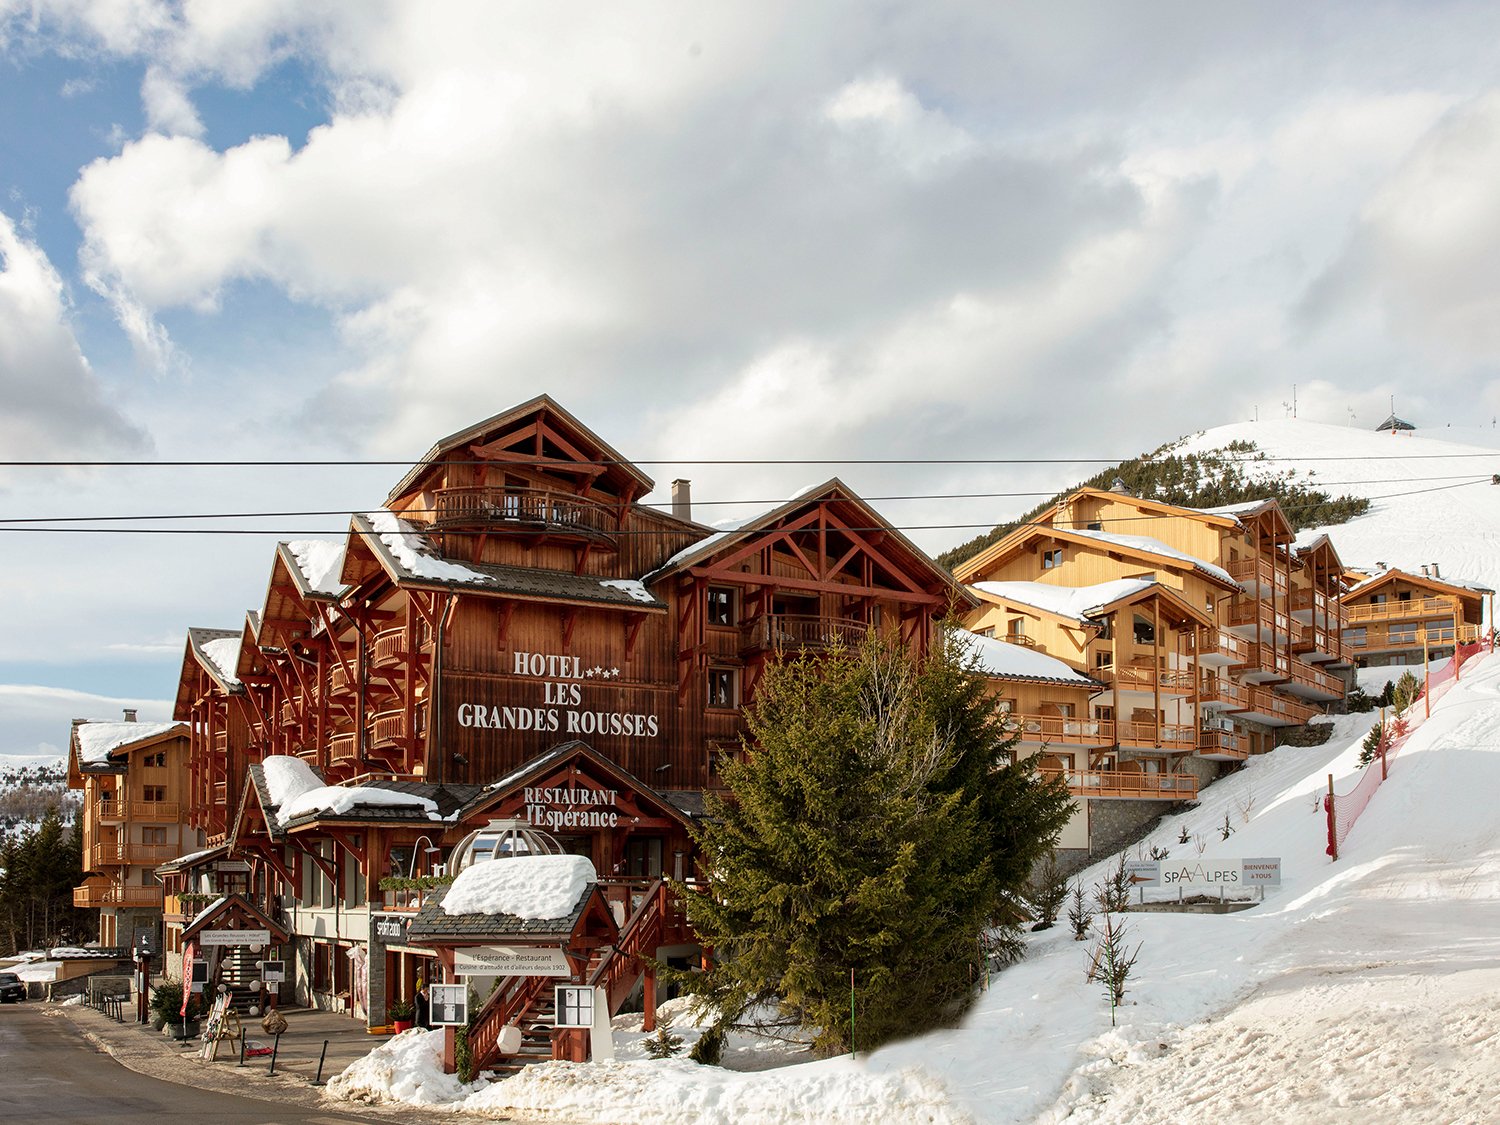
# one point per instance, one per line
(1208, 631)
(1395, 617)
(134, 818)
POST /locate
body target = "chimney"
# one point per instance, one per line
(1424, 570)
(1436, 573)
(130, 714)
(682, 499)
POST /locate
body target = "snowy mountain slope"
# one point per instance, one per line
(1414, 518)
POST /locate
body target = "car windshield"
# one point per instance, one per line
(9, 978)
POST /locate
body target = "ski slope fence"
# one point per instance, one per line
(1343, 810)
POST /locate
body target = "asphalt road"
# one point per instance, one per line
(49, 1072)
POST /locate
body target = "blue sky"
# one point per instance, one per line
(321, 229)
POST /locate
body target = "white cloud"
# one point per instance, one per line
(38, 720)
(168, 109)
(54, 405)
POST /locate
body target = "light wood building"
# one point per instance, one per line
(1393, 617)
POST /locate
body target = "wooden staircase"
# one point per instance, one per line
(529, 1003)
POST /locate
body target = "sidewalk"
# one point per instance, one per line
(149, 1052)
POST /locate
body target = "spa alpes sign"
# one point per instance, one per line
(563, 706)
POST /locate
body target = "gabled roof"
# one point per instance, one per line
(1394, 423)
(448, 798)
(1137, 546)
(911, 559)
(1083, 605)
(201, 652)
(590, 445)
(1213, 516)
(1438, 585)
(407, 557)
(234, 907)
(1001, 660)
(547, 764)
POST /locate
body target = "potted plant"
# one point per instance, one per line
(176, 1025)
(401, 1016)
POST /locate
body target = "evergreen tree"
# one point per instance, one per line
(42, 865)
(876, 828)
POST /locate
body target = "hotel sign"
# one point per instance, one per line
(563, 708)
(510, 961)
(232, 937)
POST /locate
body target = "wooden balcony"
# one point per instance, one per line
(1250, 615)
(111, 810)
(221, 793)
(339, 682)
(528, 510)
(1259, 576)
(221, 742)
(156, 812)
(289, 715)
(783, 632)
(1312, 682)
(1221, 694)
(1357, 614)
(91, 894)
(1131, 677)
(1126, 784)
(1217, 646)
(117, 854)
(1066, 730)
(1275, 709)
(389, 728)
(343, 747)
(1264, 662)
(1223, 745)
(102, 893)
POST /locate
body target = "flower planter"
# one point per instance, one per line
(401, 1025)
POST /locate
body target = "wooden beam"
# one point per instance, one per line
(738, 576)
(507, 609)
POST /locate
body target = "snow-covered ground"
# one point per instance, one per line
(1360, 990)
(1431, 496)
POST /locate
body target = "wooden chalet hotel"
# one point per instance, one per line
(512, 636)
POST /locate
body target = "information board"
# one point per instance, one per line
(448, 1005)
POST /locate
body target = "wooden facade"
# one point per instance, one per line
(1398, 618)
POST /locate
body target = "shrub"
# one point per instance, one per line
(663, 1045)
(1047, 891)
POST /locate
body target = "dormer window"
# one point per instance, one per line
(1052, 559)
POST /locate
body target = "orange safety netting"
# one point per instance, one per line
(1344, 809)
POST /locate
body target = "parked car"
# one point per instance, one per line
(11, 988)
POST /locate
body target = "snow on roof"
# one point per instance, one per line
(320, 562)
(631, 586)
(998, 658)
(225, 655)
(189, 859)
(288, 778)
(1077, 602)
(541, 886)
(1381, 576)
(1157, 547)
(340, 799)
(97, 740)
(413, 551)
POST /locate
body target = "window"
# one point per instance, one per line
(1404, 596)
(643, 856)
(1103, 659)
(1065, 710)
(723, 691)
(1377, 599)
(1104, 714)
(153, 793)
(1145, 632)
(1051, 559)
(1016, 627)
(1096, 526)
(1357, 637)
(322, 964)
(157, 759)
(153, 835)
(1007, 706)
(148, 878)
(990, 632)
(720, 606)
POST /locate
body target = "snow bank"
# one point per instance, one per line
(535, 886)
(340, 799)
(288, 778)
(832, 1092)
(224, 654)
(96, 741)
(320, 561)
(407, 1068)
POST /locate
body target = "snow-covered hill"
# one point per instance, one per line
(1361, 990)
(1431, 498)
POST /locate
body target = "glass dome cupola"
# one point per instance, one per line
(501, 839)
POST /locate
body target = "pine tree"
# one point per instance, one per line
(1369, 749)
(1047, 891)
(874, 827)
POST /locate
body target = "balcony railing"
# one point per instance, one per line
(1134, 678)
(1066, 730)
(1244, 613)
(1264, 658)
(1127, 784)
(390, 647)
(157, 811)
(90, 894)
(111, 810)
(1389, 610)
(388, 727)
(1224, 743)
(783, 631)
(339, 682)
(1217, 644)
(1227, 694)
(1258, 571)
(526, 509)
(1307, 598)
(343, 747)
(1310, 677)
(288, 714)
(1276, 706)
(115, 895)
(115, 854)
